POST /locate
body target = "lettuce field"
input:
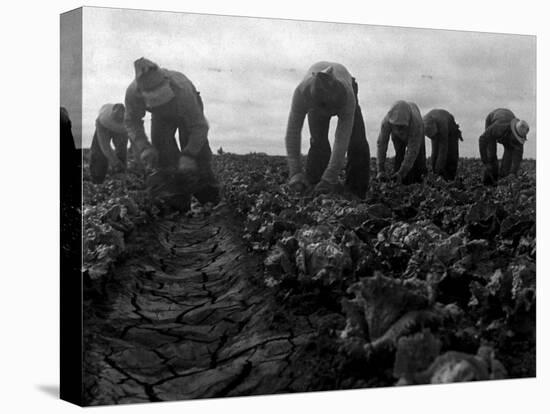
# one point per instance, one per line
(271, 292)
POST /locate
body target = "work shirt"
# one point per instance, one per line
(186, 104)
(106, 129)
(498, 127)
(447, 128)
(302, 103)
(414, 139)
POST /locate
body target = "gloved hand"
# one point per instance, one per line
(298, 183)
(397, 177)
(324, 187)
(187, 164)
(382, 176)
(117, 165)
(149, 156)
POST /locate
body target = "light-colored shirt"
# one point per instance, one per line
(189, 107)
(106, 128)
(302, 103)
(413, 140)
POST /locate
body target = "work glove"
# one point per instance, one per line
(324, 187)
(382, 176)
(149, 156)
(187, 164)
(397, 178)
(117, 166)
(298, 183)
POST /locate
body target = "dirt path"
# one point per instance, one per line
(187, 317)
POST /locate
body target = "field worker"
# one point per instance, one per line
(328, 90)
(404, 123)
(67, 142)
(71, 161)
(441, 128)
(109, 127)
(502, 126)
(174, 104)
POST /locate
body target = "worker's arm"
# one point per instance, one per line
(414, 143)
(104, 141)
(382, 144)
(341, 144)
(488, 141)
(443, 147)
(488, 153)
(517, 157)
(193, 115)
(133, 119)
(293, 137)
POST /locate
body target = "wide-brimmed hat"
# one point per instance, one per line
(111, 116)
(519, 130)
(400, 114)
(153, 83)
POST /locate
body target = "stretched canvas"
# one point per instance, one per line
(217, 243)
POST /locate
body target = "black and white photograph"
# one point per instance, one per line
(275, 206)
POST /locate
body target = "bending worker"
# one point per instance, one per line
(440, 126)
(404, 123)
(502, 126)
(328, 90)
(174, 104)
(109, 128)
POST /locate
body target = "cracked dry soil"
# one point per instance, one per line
(187, 316)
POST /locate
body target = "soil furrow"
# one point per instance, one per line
(170, 345)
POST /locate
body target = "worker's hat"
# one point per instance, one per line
(519, 130)
(153, 83)
(111, 116)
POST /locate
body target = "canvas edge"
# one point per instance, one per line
(71, 325)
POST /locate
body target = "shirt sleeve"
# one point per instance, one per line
(195, 120)
(104, 141)
(443, 146)
(517, 157)
(133, 119)
(497, 130)
(415, 142)
(488, 148)
(342, 137)
(382, 144)
(293, 137)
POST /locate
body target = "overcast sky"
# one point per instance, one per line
(246, 70)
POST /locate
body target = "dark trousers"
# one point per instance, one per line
(449, 172)
(510, 163)
(488, 152)
(163, 130)
(358, 153)
(418, 169)
(511, 160)
(99, 164)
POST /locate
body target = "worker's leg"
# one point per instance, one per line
(98, 162)
(319, 150)
(358, 165)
